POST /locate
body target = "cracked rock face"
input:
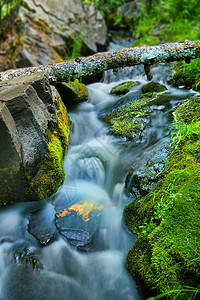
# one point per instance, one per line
(70, 18)
(26, 110)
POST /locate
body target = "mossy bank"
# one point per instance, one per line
(166, 255)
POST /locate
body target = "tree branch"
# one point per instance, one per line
(92, 65)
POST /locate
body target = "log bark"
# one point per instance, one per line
(92, 65)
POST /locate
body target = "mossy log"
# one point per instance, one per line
(92, 65)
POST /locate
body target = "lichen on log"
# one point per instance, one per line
(94, 64)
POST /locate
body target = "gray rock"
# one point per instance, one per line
(71, 18)
(47, 32)
(41, 224)
(77, 237)
(140, 182)
(129, 12)
(26, 113)
(40, 44)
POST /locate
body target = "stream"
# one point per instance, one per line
(83, 256)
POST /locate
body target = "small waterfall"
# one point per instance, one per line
(86, 257)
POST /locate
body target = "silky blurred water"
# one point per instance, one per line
(96, 165)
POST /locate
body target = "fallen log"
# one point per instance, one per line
(94, 64)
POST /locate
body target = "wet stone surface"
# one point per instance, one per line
(41, 224)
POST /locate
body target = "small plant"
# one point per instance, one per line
(191, 292)
(77, 47)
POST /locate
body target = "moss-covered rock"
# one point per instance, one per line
(51, 173)
(152, 87)
(34, 128)
(72, 92)
(166, 254)
(123, 88)
(130, 120)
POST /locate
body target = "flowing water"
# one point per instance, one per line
(90, 263)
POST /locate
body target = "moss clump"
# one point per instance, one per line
(152, 87)
(166, 255)
(72, 92)
(130, 120)
(123, 88)
(51, 174)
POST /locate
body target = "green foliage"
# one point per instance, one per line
(77, 47)
(188, 74)
(191, 292)
(168, 21)
(6, 6)
(166, 254)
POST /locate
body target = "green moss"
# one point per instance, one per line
(51, 174)
(123, 88)
(130, 120)
(166, 255)
(153, 87)
(189, 112)
(72, 92)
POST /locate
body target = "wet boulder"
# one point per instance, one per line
(23, 253)
(41, 224)
(130, 120)
(140, 182)
(72, 92)
(33, 138)
(123, 88)
(153, 87)
(78, 212)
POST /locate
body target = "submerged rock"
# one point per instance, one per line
(34, 130)
(153, 87)
(41, 224)
(123, 88)
(23, 253)
(72, 92)
(78, 226)
(78, 214)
